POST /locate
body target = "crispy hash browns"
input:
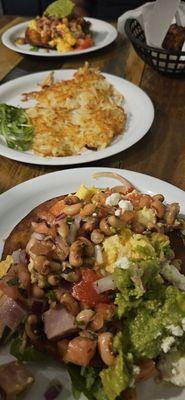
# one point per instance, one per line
(74, 115)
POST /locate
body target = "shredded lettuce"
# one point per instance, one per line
(86, 380)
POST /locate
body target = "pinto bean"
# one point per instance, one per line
(159, 197)
(91, 224)
(171, 213)
(145, 201)
(72, 210)
(97, 236)
(105, 227)
(128, 216)
(70, 303)
(80, 249)
(97, 323)
(105, 340)
(159, 208)
(138, 227)
(87, 210)
(72, 199)
(85, 316)
(63, 230)
(80, 351)
(42, 228)
(115, 222)
(37, 292)
(62, 248)
(99, 198)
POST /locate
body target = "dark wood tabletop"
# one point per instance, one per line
(161, 153)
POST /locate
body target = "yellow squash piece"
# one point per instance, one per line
(5, 265)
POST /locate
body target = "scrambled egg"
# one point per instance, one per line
(74, 115)
(5, 265)
(84, 193)
(114, 248)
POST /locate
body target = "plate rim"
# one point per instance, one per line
(91, 169)
(82, 158)
(7, 42)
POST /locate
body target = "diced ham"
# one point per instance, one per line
(58, 322)
(80, 351)
(11, 314)
(14, 379)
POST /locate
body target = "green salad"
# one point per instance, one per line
(15, 127)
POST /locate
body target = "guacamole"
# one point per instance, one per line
(59, 9)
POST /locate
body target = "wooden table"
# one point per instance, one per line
(160, 153)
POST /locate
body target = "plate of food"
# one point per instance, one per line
(92, 277)
(59, 32)
(66, 117)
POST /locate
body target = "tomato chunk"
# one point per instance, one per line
(85, 292)
(85, 43)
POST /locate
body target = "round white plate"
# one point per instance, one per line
(17, 202)
(103, 34)
(136, 104)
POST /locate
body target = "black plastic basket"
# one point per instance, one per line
(166, 61)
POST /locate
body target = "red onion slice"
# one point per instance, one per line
(128, 185)
(23, 257)
(38, 236)
(72, 233)
(104, 284)
(53, 390)
(16, 256)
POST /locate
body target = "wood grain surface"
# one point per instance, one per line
(161, 153)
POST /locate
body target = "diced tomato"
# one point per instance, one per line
(85, 43)
(134, 197)
(10, 291)
(85, 292)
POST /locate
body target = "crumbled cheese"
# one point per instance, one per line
(175, 330)
(113, 199)
(183, 324)
(118, 213)
(125, 205)
(172, 368)
(122, 262)
(167, 343)
(172, 275)
(94, 214)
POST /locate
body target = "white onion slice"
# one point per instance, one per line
(128, 185)
(77, 221)
(98, 254)
(104, 284)
(72, 233)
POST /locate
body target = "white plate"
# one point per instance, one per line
(17, 202)
(137, 105)
(103, 34)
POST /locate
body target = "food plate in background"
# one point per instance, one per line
(17, 202)
(103, 34)
(136, 103)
